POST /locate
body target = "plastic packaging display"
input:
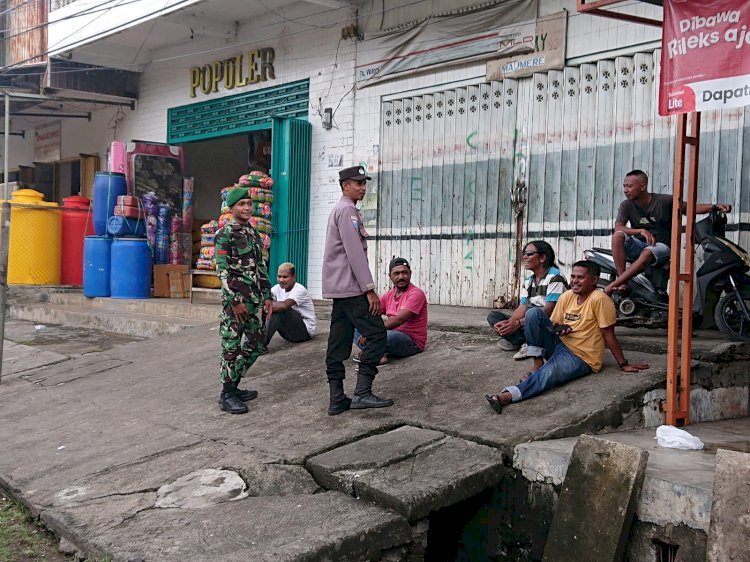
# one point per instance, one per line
(162, 235)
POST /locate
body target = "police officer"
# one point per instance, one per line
(348, 281)
(245, 290)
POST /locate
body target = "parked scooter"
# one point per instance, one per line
(723, 285)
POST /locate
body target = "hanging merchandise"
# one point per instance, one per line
(150, 205)
(261, 224)
(260, 195)
(262, 210)
(256, 179)
(187, 204)
(162, 235)
(225, 219)
(176, 249)
(208, 235)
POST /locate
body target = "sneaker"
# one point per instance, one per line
(505, 345)
(521, 354)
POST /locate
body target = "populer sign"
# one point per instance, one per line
(705, 56)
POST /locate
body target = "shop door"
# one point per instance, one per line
(290, 169)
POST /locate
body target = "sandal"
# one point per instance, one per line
(495, 403)
(357, 358)
(526, 376)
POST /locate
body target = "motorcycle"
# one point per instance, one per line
(723, 285)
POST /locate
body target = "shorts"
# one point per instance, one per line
(634, 248)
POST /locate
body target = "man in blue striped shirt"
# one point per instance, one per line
(541, 289)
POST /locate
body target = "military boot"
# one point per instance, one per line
(364, 398)
(339, 402)
(229, 401)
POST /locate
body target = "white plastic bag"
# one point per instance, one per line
(674, 438)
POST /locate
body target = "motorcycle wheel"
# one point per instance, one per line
(731, 319)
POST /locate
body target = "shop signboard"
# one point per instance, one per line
(47, 140)
(235, 72)
(508, 28)
(705, 56)
(549, 51)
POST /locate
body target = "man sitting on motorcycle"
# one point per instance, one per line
(647, 239)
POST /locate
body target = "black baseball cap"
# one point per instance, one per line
(353, 173)
(395, 262)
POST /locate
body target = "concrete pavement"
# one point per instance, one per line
(87, 442)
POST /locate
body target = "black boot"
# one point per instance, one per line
(363, 396)
(244, 395)
(339, 402)
(229, 401)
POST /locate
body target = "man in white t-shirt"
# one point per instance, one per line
(293, 312)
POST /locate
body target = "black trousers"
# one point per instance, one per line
(348, 314)
(289, 324)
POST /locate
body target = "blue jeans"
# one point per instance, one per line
(562, 365)
(398, 344)
(495, 316)
(634, 248)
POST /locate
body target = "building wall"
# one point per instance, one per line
(443, 272)
(315, 52)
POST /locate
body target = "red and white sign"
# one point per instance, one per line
(47, 141)
(705, 56)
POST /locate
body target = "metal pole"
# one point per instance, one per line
(4, 232)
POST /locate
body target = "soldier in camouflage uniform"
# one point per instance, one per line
(245, 291)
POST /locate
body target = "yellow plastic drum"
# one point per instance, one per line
(35, 240)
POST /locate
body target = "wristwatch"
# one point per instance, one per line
(623, 364)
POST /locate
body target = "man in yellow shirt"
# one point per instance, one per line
(571, 340)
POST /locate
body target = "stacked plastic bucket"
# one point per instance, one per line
(114, 267)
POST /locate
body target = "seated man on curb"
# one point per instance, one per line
(293, 312)
(649, 236)
(406, 308)
(572, 340)
(541, 289)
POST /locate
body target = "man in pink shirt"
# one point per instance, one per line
(406, 309)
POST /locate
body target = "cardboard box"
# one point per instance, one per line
(163, 275)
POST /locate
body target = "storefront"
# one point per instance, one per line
(264, 130)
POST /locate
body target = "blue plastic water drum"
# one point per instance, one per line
(122, 226)
(131, 269)
(96, 266)
(107, 187)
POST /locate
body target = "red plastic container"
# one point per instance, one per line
(77, 223)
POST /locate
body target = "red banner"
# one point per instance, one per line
(705, 55)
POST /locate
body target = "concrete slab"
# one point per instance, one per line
(111, 425)
(596, 505)
(413, 471)
(729, 532)
(677, 488)
(18, 358)
(65, 340)
(327, 526)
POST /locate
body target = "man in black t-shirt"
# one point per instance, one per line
(647, 239)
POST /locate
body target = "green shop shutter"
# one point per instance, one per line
(241, 113)
(290, 169)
